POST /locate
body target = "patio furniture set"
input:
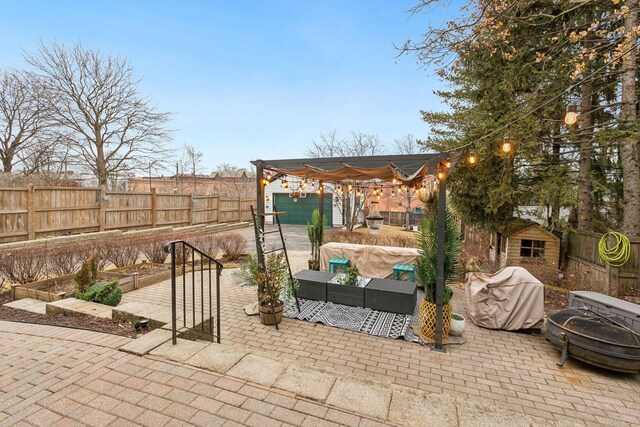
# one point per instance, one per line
(394, 296)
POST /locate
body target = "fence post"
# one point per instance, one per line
(102, 213)
(191, 210)
(217, 218)
(239, 209)
(154, 207)
(31, 213)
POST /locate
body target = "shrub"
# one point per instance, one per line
(207, 243)
(23, 265)
(232, 245)
(88, 273)
(153, 248)
(108, 293)
(342, 236)
(123, 251)
(64, 260)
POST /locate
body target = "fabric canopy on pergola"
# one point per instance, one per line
(405, 169)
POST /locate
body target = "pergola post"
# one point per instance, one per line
(442, 206)
(260, 193)
(321, 203)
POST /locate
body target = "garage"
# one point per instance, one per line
(300, 211)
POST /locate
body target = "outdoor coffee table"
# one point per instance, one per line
(394, 296)
(313, 284)
(346, 294)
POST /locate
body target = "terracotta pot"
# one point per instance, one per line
(427, 320)
(267, 317)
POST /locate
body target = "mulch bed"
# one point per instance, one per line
(144, 269)
(75, 320)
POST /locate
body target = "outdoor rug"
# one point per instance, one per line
(365, 320)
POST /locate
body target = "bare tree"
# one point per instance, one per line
(406, 144)
(233, 181)
(95, 101)
(23, 117)
(349, 204)
(191, 161)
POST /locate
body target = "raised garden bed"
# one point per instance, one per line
(149, 273)
(62, 287)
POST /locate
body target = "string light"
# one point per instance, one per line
(441, 175)
(350, 187)
(472, 159)
(447, 163)
(394, 181)
(393, 192)
(572, 114)
(506, 145)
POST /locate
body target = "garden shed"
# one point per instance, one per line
(527, 244)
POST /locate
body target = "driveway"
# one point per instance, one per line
(295, 237)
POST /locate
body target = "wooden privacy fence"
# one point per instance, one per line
(591, 273)
(400, 218)
(34, 212)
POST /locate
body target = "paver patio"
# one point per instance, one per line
(513, 371)
(51, 376)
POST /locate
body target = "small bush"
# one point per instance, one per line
(108, 293)
(64, 260)
(207, 243)
(232, 245)
(399, 240)
(153, 249)
(123, 251)
(88, 273)
(23, 265)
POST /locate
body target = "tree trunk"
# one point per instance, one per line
(554, 220)
(7, 164)
(630, 145)
(585, 186)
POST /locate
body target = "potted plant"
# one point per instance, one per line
(282, 285)
(427, 264)
(315, 231)
(347, 288)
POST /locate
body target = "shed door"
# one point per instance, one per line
(300, 211)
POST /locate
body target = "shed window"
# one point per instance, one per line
(532, 248)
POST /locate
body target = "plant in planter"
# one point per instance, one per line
(252, 273)
(427, 264)
(350, 278)
(315, 231)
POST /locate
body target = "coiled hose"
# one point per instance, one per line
(617, 254)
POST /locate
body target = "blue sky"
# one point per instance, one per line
(249, 79)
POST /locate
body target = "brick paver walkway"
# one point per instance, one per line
(515, 371)
(62, 377)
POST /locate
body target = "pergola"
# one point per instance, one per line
(409, 170)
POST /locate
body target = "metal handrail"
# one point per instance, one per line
(170, 247)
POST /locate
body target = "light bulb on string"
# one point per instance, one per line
(506, 145)
(394, 181)
(447, 163)
(441, 175)
(571, 115)
(393, 192)
(472, 159)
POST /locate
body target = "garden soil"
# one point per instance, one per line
(74, 320)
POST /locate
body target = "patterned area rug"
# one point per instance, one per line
(365, 320)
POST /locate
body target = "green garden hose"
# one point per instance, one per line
(618, 254)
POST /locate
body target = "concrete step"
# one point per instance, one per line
(29, 304)
(74, 305)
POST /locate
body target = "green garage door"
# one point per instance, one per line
(300, 211)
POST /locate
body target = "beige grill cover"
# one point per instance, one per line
(509, 299)
(372, 261)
